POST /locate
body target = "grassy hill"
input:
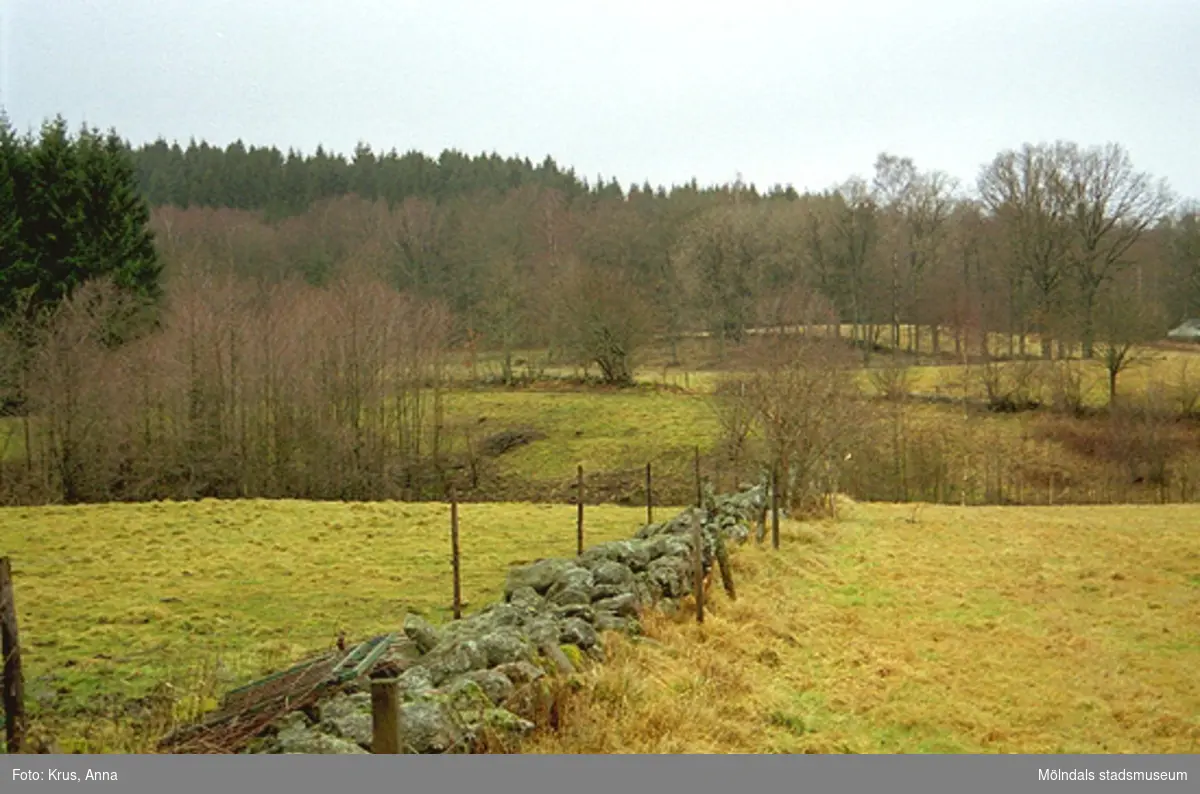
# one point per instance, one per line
(906, 629)
(898, 628)
(115, 602)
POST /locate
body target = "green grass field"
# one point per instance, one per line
(116, 600)
(900, 628)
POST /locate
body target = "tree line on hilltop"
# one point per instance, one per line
(226, 321)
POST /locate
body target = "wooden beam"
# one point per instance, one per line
(10, 650)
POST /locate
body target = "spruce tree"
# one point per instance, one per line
(16, 271)
(79, 215)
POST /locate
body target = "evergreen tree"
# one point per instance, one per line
(80, 215)
(16, 271)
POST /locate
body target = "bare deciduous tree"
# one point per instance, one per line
(1110, 206)
(802, 396)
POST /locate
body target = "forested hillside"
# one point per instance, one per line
(241, 322)
(1044, 240)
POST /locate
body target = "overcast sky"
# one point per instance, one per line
(801, 92)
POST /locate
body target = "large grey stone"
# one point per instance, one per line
(357, 727)
(540, 576)
(612, 573)
(521, 673)
(504, 725)
(342, 704)
(623, 605)
(414, 682)
(503, 646)
(466, 695)
(670, 576)
(542, 631)
(296, 737)
(578, 632)
(574, 578)
(609, 622)
(447, 661)
(428, 726)
(502, 615)
(421, 632)
(634, 554)
(496, 685)
(670, 546)
(571, 595)
(581, 611)
(526, 601)
(602, 591)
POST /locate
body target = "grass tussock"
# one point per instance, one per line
(939, 630)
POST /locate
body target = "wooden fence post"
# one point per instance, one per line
(775, 507)
(454, 556)
(649, 496)
(385, 725)
(726, 568)
(10, 647)
(579, 517)
(699, 490)
(698, 569)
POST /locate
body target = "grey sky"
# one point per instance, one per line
(801, 92)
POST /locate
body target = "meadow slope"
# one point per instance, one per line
(899, 628)
(116, 602)
(906, 629)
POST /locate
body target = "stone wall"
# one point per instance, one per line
(475, 683)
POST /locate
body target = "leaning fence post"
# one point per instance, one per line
(698, 570)
(385, 724)
(10, 647)
(775, 507)
(699, 490)
(579, 511)
(724, 565)
(454, 556)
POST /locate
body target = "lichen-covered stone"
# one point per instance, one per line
(526, 600)
(573, 578)
(465, 694)
(543, 631)
(447, 661)
(521, 673)
(612, 573)
(577, 632)
(540, 576)
(428, 726)
(602, 591)
(414, 682)
(670, 575)
(608, 622)
(419, 630)
(581, 611)
(357, 727)
(571, 595)
(495, 684)
(635, 554)
(574, 655)
(623, 605)
(503, 646)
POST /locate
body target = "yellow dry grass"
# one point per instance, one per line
(908, 629)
